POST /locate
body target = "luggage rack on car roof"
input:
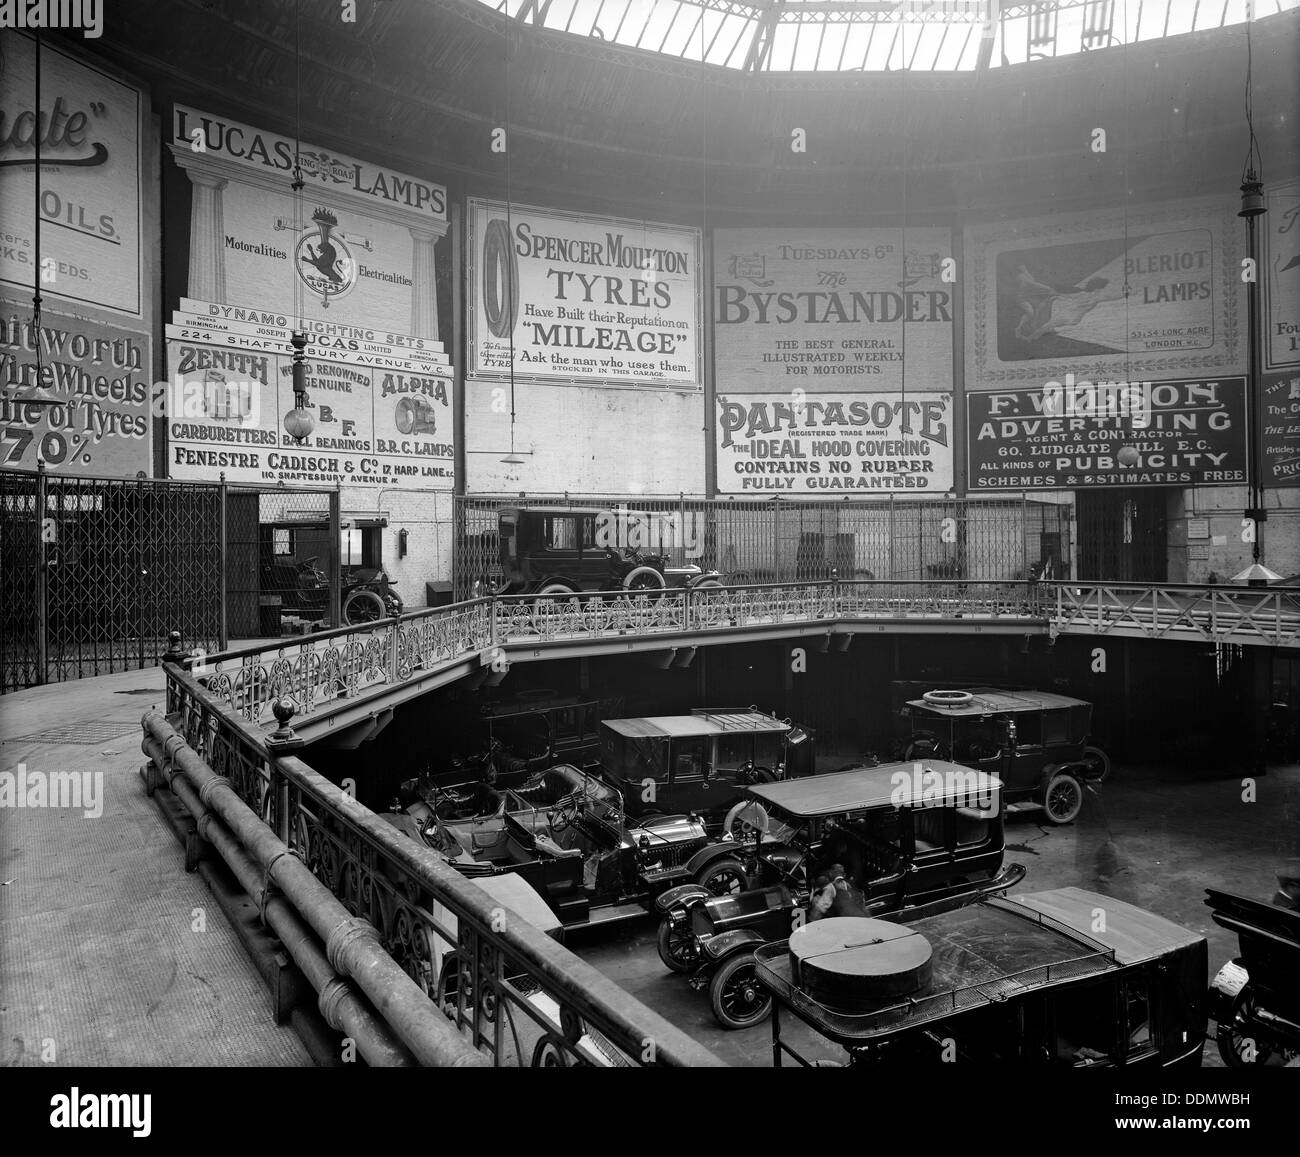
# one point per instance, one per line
(848, 1028)
(732, 718)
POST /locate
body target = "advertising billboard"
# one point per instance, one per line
(566, 297)
(1084, 435)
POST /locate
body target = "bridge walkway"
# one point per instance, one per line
(103, 959)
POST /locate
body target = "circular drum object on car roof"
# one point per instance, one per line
(852, 962)
(948, 698)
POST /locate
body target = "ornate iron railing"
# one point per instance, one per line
(335, 667)
(519, 996)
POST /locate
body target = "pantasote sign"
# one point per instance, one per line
(815, 444)
(1184, 433)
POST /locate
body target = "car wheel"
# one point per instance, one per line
(676, 946)
(738, 1000)
(549, 1055)
(644, 580)
(706, 583)
(1239, 1050)
(726, 877)
(555, 590)
(738, 825)
(363, 607)
(1063, 798)
(1098, 764)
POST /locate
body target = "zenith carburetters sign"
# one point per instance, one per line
(563, 297)
(821, 444)
(1073, 435)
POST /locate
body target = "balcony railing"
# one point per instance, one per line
(505, 991)
(338, 667)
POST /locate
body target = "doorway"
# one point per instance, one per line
(1122, 535)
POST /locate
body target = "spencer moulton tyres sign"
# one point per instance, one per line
(1071, 435)
(594, 300)
(815, 444)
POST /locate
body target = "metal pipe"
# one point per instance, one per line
(343, 1008)
(351, 944)
(627, 1022)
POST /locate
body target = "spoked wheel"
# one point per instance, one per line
(1063, 798)
(724, 878)
(363, 607)
(676, 946)
(549, 1055)
(1096, 764)
(1238, 1047)
(738, 1000)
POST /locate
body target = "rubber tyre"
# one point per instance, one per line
(665, 942)
(643, 579)
(1228, 1040)
(713, 876)
(555, 590)
(737, 999)
(1095, 756)
(1063, 798)
(363, 607)
(549, 1055)
(732, 822)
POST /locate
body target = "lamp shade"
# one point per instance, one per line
(299, 423)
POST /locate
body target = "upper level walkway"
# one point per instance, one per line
(345, 683)
(110, 953)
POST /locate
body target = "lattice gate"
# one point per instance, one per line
(95, 572)
(791, 541)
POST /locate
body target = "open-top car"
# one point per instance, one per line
(557, 552)
(1036, 742)
(900, 835)
(565, 832)
(702, 762)
(1067, 978)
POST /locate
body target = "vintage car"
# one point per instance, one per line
(1036, 742)
(566, 834)
(1254, 999)
(905, 834)
(1033, 979)
(701, 762)
(560, 552)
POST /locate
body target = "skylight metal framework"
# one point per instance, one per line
(793, 36)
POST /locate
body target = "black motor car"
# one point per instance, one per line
(1034, 979)
(1035, 742)
(903, 835)
(561, 552)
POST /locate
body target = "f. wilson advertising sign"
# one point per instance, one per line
(1183, 433)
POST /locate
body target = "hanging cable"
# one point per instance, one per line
(1253, 166)
(36, 206)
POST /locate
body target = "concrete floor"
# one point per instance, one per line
(1153, 836)
(103, 960)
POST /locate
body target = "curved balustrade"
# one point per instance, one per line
(516, 995)
(337, 666)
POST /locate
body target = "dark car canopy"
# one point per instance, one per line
(990, 701)
(931, 782)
